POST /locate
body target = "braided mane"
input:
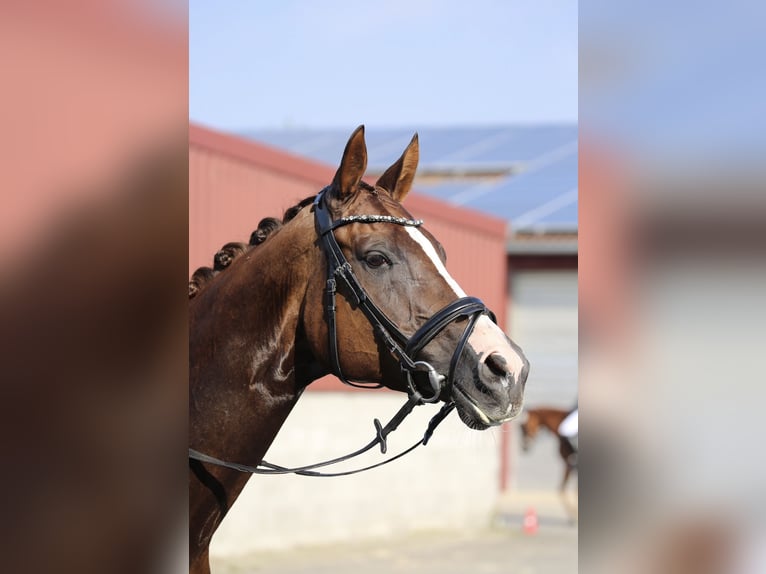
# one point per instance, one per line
(231, 251)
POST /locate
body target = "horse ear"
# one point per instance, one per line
(397, 179)
(346, 181)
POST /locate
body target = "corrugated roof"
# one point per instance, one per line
(526, 175)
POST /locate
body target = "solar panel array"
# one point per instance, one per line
(524, 174)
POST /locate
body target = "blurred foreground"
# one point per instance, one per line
(672, 288)
(93, 246)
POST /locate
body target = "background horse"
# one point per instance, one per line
(259, 328)
(550, 419)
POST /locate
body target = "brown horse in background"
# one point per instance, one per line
(259, 328)
(550, 418)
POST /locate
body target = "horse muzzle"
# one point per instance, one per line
(489, 388)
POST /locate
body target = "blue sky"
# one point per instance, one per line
(399, 63)
(676, 80)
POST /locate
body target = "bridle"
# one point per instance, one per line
(404, 349)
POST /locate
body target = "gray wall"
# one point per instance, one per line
(450, 483)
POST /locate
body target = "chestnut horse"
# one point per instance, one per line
(268, 323)
(550, 419)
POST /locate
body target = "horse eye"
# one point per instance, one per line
(375, 260)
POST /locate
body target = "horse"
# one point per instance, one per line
(550, 418)
(347, 284)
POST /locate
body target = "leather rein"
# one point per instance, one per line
(404, 349)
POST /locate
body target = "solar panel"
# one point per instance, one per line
(538, 191)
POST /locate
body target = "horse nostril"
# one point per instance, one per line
(497, 364)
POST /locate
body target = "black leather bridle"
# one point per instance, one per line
(404, 349)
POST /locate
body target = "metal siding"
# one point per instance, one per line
(545, 318)
(227, 198)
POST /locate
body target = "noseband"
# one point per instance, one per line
(404, 349)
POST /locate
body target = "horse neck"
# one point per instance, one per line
(247, 367)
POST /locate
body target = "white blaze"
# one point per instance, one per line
(487, 338)
(428, 247)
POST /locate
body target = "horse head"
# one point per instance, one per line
(402, 321)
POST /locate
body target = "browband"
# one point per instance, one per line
(404, 348)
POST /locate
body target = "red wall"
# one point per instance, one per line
(233, 183)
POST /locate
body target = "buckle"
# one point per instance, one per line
(434, 379)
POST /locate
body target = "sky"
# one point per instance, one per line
(676, 80)
(256, 64)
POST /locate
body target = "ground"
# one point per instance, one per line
(502, 547)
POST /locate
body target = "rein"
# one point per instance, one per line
(382, 433)
(404, 349)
